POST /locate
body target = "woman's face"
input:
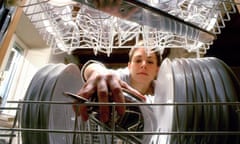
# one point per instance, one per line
(143, 67)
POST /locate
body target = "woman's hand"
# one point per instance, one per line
(103, 84)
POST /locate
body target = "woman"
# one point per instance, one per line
(138, 78)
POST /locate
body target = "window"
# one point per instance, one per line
(10, 73)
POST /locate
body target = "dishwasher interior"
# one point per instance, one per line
(198, 97)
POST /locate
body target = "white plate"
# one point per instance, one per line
(183, 96)
(231, 88)
(32, 94)
(62, 116)
(45, 95)
(207, 115)
(164, 94)
(214, 86)
(222, 111)
(190, 97)
(231, 82)
(199, 91)
(50, 83)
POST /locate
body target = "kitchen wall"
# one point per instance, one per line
(32, 59)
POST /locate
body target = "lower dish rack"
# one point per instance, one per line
(197, 102)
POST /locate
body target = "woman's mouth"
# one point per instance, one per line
(142, 73)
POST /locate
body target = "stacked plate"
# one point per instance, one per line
(201, 91)
(47, 120)
(48, 85)
(194, 97)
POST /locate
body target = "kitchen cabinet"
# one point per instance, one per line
(9, 33)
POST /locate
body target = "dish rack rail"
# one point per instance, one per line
(195, 101)
(13, 135)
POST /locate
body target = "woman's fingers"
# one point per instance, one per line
(116, 90)
(87, 91)
(103, 96)
(108, 88)
(80, 110)
(83, 112)
(133, 91)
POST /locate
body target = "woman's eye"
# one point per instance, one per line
(150, 62)
(138, 61)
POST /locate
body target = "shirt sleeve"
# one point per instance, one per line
(85, 66)
(123, 73)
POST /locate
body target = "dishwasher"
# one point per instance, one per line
(198, 97)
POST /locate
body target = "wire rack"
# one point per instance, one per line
(94, 131)
(201, 106)
(68, 25)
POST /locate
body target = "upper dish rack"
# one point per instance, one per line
(190, 24)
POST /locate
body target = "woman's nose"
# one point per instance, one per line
(143, 65)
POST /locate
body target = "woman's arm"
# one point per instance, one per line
(105, 83)
(91, 67)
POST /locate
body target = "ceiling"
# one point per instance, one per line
(28, 34)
